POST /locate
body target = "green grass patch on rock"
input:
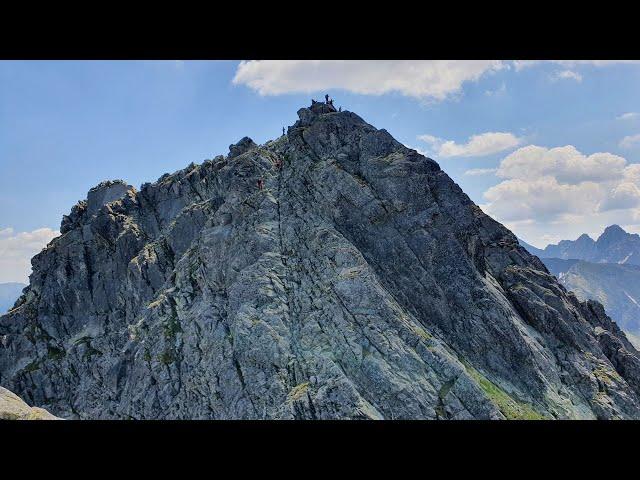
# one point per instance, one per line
(511, 408)
(298, 391)
(167, 357)
(55, 353)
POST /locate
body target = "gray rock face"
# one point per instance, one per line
(333, 273)
(616, 286)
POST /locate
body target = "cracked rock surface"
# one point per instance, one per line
(331, 273)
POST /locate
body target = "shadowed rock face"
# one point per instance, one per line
(358, 282)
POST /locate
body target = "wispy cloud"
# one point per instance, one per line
(628, 116)
(567, 75)
(474, 172)
(476, 146)
(630, 141)
(498, 92)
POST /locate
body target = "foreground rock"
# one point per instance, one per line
(333, 273)
(13, 408)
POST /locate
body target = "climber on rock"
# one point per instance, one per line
(260, 184)
(326, 98)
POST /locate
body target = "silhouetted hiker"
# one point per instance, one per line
(283, 131)
(340, 109)
(326, 98)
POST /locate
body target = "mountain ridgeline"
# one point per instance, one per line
(613, 246)
(330, 273)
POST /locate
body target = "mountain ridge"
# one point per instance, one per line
(615, 286)
(330, 273)
(614, 245)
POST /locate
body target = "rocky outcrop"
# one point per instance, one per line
(615, 286)
(13, 408)
(332, 273)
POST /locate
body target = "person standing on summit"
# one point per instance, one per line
(326, 98)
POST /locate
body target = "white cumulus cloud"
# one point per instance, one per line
(539, 198)
(621, 196)
(476, 146)
(424, 79)
(17, 249)
(564, 191)
(566, 164)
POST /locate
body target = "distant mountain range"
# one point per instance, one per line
(9, 293)
(616, 286)
(606, 270)
(613, 246)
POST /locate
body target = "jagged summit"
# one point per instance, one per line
(244, 145)
(614, 245)
(612, 233)
(614, 229)
(331, 273)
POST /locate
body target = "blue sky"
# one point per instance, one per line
(67, 125)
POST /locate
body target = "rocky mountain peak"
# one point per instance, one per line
(614, 246)
(612, 233)
(242, 146)
(584, 238)
(330, 273)
(99, 196)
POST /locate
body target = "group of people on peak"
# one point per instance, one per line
(327, 100)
